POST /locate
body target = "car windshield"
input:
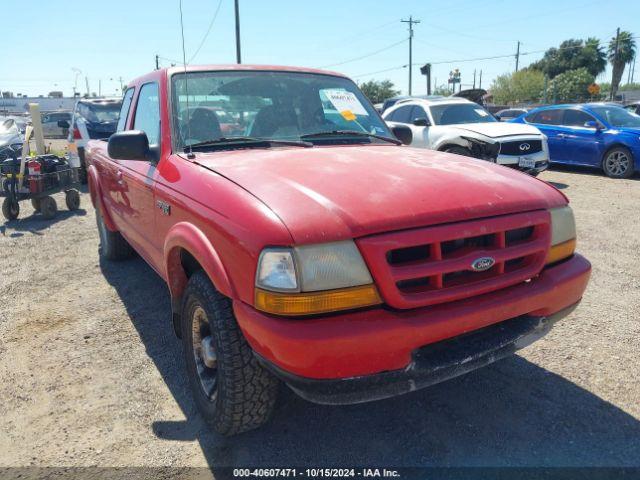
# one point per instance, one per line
(100, 113)
(271, 106)
(460, 113)
(617, 116)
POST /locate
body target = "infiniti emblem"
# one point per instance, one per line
(483, 263)
(524, 146)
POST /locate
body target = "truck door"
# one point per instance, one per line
(135, 178)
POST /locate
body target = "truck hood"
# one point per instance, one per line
(330, 193)
(498, 129)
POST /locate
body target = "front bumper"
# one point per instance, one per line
(376, 340)
(432, 364)
(541, 162)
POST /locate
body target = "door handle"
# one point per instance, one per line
(561, 135)
(119, 179)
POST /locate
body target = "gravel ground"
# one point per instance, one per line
(90, 373)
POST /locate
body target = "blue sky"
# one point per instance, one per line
(116, 38)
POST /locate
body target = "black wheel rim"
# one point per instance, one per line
(204, 354)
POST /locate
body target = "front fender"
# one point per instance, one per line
(187, 236)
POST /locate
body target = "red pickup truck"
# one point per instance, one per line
(315, 249)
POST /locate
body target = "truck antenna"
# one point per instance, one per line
(190, 154)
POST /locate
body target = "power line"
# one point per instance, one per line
(379, 71)
(204, 38)
(366, 55)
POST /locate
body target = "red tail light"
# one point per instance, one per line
(76, 134)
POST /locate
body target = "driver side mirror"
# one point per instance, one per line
(593, 124)
(421, 122)
(403, 133)
(129, 145)
(63, 124)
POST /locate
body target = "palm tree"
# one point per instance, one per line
(626, 51)
(597, 57)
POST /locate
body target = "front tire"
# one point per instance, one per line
(232, 391)
(48, 207)
(618, 163)
(113, 246)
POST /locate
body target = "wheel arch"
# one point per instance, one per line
(186, 250)
(97, 200)
(634, 160)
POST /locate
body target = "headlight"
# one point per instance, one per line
(563, 234)
(313, 279)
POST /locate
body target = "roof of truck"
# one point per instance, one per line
(245, 67)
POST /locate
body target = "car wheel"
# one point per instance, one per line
(458, 150)
(48, 207)
(10, 208)
(113, 246)
(618, 163)
(35, 203)
(72, 199)
(233, 392)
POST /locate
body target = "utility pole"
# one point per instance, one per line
(99, 87)
(615, 59)
(157, 62)
(633, 69)
(474, 78)
(518, 55)
(86, 79)
(480, 86)
(238, 56)
(411, 21)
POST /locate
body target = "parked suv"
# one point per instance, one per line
(600, 135)
(457, 125)
(93, 118)
(314, 249)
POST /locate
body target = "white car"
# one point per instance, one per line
(93, 118)
(456, 125)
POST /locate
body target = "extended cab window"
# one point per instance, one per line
(147, 116)
(124, 111)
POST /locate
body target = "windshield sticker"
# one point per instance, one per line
(482, 113)
(345, 102)
(348, 115)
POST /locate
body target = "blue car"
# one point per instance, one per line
(597, 135)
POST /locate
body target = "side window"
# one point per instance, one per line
(417, 112)
(402, 114)
(576, 118)
(147, 116)
(547, 117)
(124, 111)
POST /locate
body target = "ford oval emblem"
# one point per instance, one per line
(483, 263)
(524, 147)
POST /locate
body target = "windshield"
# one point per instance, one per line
(617, 116)
(271, 106)
(460, 113)
(100, 113)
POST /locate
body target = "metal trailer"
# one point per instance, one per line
(17, 185)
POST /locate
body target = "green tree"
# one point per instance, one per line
(573, 54)
(378, 91)
(571, 86)
(626, 51)
(523, 86)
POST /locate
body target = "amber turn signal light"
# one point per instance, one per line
(561, 251)
(309, 303)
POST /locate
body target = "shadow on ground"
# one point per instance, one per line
(35, 222)
(510, 413)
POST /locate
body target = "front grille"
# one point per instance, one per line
(431, 265)
(519, 147)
